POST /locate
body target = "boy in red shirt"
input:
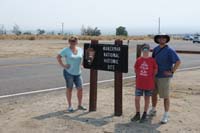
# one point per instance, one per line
(145, 69)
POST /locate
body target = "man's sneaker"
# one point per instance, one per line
(144, 118)
(152, 112)
(136, 117)
(80, 107)
(70, 109)
(164, 119)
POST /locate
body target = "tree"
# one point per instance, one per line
(16, 30)
(40, 31)
(121, 31)
(83, 30)
(2, 30)
(90, 31)
(96, 32)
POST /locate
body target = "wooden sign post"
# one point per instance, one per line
(118, 88)
(107, 57)
(93, 85)
(139, 50)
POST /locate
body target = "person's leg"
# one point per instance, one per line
(69, 96)
(79, 96)
(69, 85)
(137, 103)
(154, 97)
(164, 92)
(146, 103)
(165, 116)
(165, 95)
(138, 94)
(166, 104)
(78, 82)
(148, 93)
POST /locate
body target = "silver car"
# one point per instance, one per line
(196, 39)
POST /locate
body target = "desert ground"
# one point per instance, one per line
(46, 113)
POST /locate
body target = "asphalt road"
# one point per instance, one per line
(19, 75)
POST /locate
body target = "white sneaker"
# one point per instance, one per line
(164, 119)
(70, 109)
(152, 112)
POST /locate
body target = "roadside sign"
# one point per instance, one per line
(106, 57)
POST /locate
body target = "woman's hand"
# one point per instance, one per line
(66, 66)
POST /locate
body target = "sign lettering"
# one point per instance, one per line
(106, 57)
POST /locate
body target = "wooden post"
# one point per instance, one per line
(138, 53)
(93, 85)
(118, 88)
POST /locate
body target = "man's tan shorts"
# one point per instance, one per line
(162, 87)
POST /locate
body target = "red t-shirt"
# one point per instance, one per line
(145, 72)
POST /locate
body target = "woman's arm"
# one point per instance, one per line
(59, 59)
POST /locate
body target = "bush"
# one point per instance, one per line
(16, 30)
(40, 32)
(31, 38)
(27, 33)
(89, 31)
(64, 38)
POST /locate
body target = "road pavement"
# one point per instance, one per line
(19, 75)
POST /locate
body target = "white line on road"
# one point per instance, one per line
(99, 82)
(190, 68)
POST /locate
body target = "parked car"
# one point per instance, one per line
(196, 39)
(188, 37)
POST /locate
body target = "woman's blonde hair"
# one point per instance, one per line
(73, 38)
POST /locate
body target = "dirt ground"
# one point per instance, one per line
(45, 112)
(50, 48)
(26, 48)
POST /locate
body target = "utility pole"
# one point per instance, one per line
(159, 25)
(62, 28)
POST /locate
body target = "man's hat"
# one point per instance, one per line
(156, 37)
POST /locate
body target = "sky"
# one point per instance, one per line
(138, 16)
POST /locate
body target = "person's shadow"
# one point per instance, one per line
(82, 117)
(136, 127)
(130, 127)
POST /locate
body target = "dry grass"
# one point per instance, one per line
(60, 37)
(30, 37)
